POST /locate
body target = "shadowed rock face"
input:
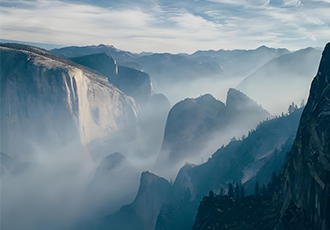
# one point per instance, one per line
(50, 101)
(142, 213)
(132, 82)
(301, 198)
(193, 122)
(246, 161)
(307, 174)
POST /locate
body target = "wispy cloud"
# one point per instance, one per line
(160, 26)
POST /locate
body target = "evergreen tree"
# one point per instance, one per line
(221, 192)
(263, 190)
(211, 194)
(242, 193)
(273, 182)
(256, 189)
(231, 190)
(237, 192)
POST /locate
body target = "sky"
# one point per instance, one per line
(175, 26)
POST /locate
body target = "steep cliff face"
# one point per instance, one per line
(49, 101)
(189, 124)
(300, 199)
(142, 213)
(307, 174)
(132, 82)
(246, 161)
(193, 124)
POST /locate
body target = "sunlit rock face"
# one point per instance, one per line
(132, 82)
(307, 175)
(49, 101)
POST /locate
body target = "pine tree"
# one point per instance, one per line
(242, 193)
(211, 194)
(231, 190)
(237, 193)
(263, 190)
(256, 189)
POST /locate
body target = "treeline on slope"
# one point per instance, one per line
(263, 151)
(235, 210)
(301, 196)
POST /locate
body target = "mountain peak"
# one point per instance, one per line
(237, 102)
(147, 178)
(263, 47)
(111, 162)
(234, 96)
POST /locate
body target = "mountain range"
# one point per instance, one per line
(300, 198)
(80, 124)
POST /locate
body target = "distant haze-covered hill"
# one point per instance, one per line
(197, 73)
(283, 79)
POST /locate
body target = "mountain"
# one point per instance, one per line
(306, 176)
(48, 101)
(142, 213)
(154, 107)
(172, 72)
(283, 79)
(240, 62)
(256, 157)
(75, 51)
(132, 82)
(193, 124)
(300, 197)
(106, 193)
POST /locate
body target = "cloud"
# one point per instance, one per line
(180, 26)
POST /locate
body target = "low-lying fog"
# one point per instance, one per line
(59, 188)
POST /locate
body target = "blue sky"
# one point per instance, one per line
(168, 25)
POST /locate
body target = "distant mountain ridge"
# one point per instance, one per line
(168, 70)
(285, 78)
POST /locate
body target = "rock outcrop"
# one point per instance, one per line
(142, 213)
(306, 176)
(132, 82)
(300, 199)
(49, 101)
(193, 123)
(246, 161)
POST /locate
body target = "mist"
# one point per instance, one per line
(62, 182)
